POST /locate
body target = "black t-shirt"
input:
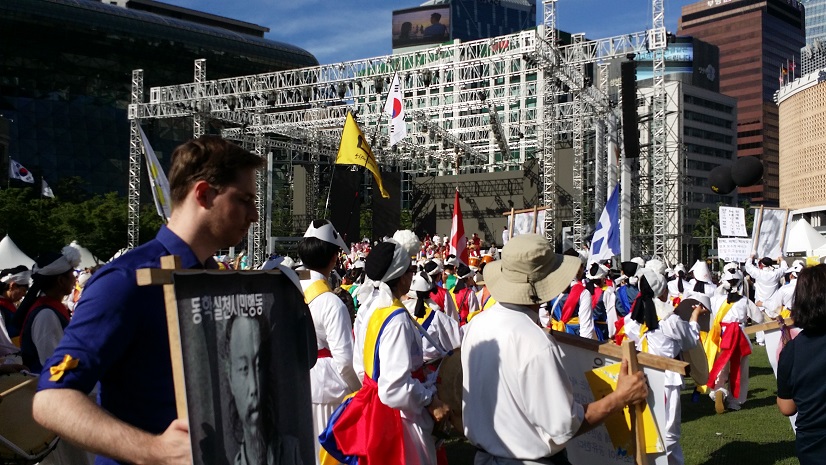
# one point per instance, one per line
(800, 378)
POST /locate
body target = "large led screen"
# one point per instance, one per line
(421, 26)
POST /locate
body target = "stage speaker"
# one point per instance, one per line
(630, 133)
(345, 204)
(387, 213)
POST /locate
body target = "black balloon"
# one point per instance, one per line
(720, 180)
(747, 171)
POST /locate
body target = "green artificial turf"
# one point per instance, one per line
(758, 434)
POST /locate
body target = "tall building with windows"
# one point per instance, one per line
(815, 20)
(756, 38)
(65, 78)
(701, 132)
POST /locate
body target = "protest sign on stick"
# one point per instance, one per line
(592, 369)
(230, 334)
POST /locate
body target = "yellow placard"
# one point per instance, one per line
(603, 381)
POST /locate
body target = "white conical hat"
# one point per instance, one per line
(700, 270)
(324, 230)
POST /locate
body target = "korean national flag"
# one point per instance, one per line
(394, 107)
(606, 241)
(18, 171)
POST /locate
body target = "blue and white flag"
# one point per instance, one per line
(606, 241)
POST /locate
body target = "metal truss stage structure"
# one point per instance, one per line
(486, 105)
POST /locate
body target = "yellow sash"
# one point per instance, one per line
(316, 289)
(427, 312)
(644, 340)
(785, 312)
(711, 344)
(374, 327)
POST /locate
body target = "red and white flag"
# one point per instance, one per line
(458, 241)
(18, 171)
(394, 107)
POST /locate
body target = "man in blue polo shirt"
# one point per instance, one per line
(118, 335)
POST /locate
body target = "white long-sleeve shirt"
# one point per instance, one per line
(443, 329)
(586, 315)
(518, 401)
(46, 334)
(740, 312)
(766, 280)
(784, 297)
(673, 336)
(333, 377)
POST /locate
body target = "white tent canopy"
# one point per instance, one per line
(11, 255)
(87, 260)
(803, 238)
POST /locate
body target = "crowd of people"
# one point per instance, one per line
(385, 314)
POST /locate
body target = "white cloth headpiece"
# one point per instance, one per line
(68, 260)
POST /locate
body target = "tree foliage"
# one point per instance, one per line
(41, 224)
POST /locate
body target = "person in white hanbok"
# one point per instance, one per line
(442, 329)
(398, 347)
(332, 377)
(656, 329)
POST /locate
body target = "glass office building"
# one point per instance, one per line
(756, 39)
(815, 20)
(65, 78)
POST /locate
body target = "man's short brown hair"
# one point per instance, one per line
(209, 158)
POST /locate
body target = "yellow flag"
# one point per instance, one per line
(354, 150)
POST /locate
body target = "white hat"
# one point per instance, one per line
(655, 280)
(596, 271)
(657, 265)
(421, 283)
(679, 267)
(324, 230)
(700, 270)
(735, 274)
(797, 267)
(451, 261)
(731, 267)
(639, 261)
(529, 272)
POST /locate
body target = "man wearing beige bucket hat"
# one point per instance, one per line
(517, 404)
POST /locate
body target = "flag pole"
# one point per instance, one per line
(372, 144)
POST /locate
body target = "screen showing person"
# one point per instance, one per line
(252, 408)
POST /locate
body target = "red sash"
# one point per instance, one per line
(733, 347)
(569, 310)
(324, 353)
(369, 429)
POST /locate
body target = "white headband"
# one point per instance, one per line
(17, 278)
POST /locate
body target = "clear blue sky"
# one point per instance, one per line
(342, 30)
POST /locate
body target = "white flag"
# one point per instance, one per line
(395, 109)
(45, 190)
(157, 179)
(18, 171)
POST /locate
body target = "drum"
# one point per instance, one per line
(21, 439)
(697, 364)
(449, 389)
(686, 307)
(487, 258)
(474, 261)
